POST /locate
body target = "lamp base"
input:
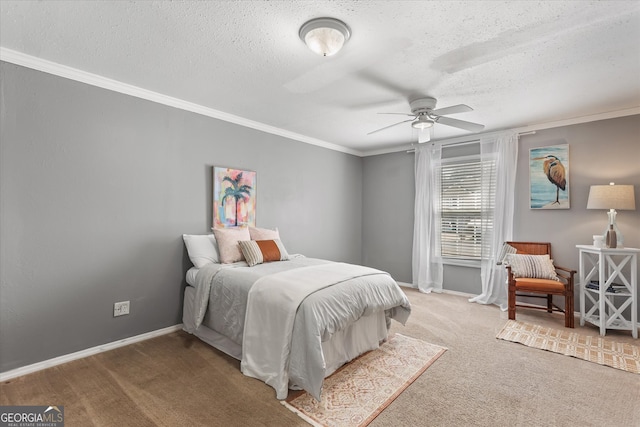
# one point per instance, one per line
(619, 240)
(612, 239)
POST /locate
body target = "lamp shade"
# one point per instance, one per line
(611, 197)
(325, 36)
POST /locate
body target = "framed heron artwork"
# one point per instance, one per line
(549, 177)
(234, 197)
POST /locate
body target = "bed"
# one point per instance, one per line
(291, 320)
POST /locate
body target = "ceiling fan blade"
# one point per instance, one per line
(390, 126)
(403, 114)
(471, 127)
(460, 108)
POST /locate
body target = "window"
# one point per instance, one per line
(463, 219)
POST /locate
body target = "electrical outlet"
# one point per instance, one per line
(120, 308)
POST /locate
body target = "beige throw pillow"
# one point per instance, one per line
(263, 234)
(227, 239)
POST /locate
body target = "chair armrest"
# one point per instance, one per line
(568, 277)
(568, 270)
(510, 277)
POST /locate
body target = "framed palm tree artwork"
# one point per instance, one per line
(549, 177)
(234, 197)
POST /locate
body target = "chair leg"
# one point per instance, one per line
(512, 302)
(549, 303)
(568, 311)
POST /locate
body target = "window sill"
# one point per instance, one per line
(474, 263)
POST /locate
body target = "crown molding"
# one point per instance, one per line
(39, 64)
(582, 119)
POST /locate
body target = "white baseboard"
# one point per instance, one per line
(4, 376)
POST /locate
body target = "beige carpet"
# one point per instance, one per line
(356, 394)
(480, 381)
(593, 349)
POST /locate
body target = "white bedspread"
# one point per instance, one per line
(266, 343)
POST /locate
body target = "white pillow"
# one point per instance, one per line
(228, 246)
(202, 249)
(263, 234)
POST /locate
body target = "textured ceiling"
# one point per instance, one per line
(517, 64)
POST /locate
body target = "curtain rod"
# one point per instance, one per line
(475, 141)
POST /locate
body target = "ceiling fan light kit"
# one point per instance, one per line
(422, 122)
(424, 116)
(325, 36)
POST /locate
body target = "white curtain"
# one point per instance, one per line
(427, 264)
(497, 228)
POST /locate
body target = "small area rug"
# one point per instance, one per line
(593, 349)
(356, 393)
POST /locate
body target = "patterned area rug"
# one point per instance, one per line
(356, 393)
(593, 349)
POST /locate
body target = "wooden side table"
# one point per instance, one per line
(604, 283)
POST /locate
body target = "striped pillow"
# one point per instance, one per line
(258, 251)
(532, 266)
(506, 250)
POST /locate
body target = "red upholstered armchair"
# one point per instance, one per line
(532, 275)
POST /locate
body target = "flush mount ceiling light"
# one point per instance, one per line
(325, 36)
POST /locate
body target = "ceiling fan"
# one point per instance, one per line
(424, 116)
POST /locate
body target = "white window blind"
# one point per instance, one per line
(462, 217)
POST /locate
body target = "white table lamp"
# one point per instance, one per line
(612, 197)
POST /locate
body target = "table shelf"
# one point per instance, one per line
(615, 324)
(604, 266)
(609, 294)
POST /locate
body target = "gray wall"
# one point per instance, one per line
(97, 189)
(387, 213)
(600, 152)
